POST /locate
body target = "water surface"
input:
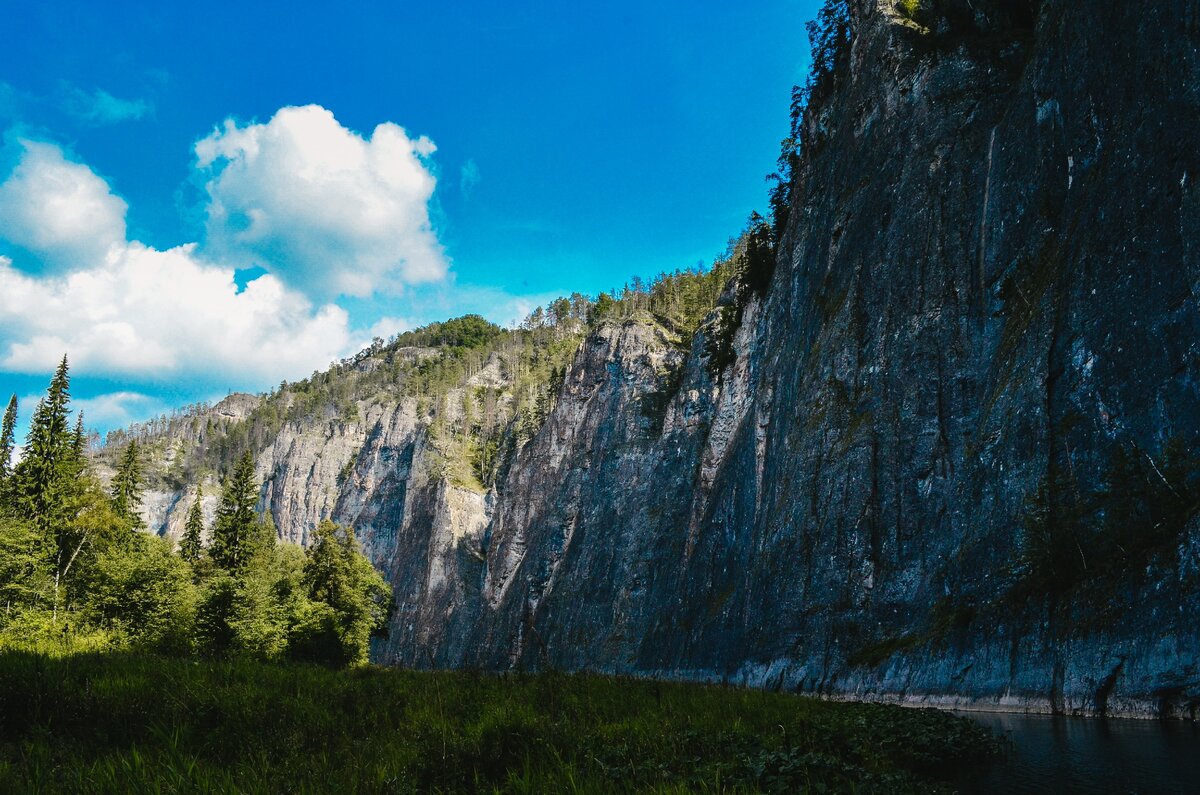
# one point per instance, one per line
(1059, 754)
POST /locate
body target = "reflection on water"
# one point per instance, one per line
(1064, 754)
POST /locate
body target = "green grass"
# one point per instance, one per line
(113, 723)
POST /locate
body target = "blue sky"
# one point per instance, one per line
(198, 198)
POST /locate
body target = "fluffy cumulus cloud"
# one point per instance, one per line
(126, 309)
(59, 209)
(327, 210)
(163, 314)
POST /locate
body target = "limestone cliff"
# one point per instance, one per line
(949, 456)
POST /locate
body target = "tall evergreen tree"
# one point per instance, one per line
(44, 475)
(234, 530)
(7, 440)
(189, 545)
(79, 437)
(127, 486)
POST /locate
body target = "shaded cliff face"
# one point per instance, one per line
(985, 294)
(902, 483)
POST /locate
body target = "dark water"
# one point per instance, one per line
(1056, 754)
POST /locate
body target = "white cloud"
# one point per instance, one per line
(101, 107)
(115, 409)
(388, 327)
(327, 210)
(164, 314)
(59, 209)
(128, 309)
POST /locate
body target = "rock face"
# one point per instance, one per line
(986, 294)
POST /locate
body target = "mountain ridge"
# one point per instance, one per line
(941, 456)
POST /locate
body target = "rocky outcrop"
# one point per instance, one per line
(984, 297)
(986, 282)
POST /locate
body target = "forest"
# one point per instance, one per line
(78, 574)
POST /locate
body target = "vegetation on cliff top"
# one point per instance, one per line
(120, 723)
(483, 391)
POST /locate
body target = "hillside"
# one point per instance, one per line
(933, 442)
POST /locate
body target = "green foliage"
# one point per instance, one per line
(75, 577)
(216, 604)
(127, 486)
(26, 574)
(268, 603)
(458, 334)
(143, 594)
(752, 263)
(193, 530)
(120, 723)
(874, 654)
(237, 525)
(912, 10)
(830, 36)
(7, 441)
(43, 478)
(1074, 536)
(351, 602)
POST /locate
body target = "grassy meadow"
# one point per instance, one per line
(140, 723)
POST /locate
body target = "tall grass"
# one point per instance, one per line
(115, 723)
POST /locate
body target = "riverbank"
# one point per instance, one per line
(121, 723)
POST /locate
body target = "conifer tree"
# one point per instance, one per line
(127, 486)
(44, 473)
(189, 545)
(358, 601)
(75, 456)
(79, 437)
(234, 530)
(7, 441)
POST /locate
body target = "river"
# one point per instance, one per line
(1058, 754)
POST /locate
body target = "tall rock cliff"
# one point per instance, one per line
(947, 455)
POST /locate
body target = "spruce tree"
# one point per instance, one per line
(234, 530)
(7, 441)
(45, 471)
(47, 486)
(189, 545)
(127, 486)
(79, 437)
(75, 456)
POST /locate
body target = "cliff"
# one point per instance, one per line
(944, 456)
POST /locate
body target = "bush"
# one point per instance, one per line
(143, 594)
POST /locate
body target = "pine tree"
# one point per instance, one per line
(189, 545)
(48, 487)
(75, 458)
(234, 530)
(7, 441)
(127, 486)
(79, 437)
(43, 475)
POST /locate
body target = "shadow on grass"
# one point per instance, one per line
(138, 723)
